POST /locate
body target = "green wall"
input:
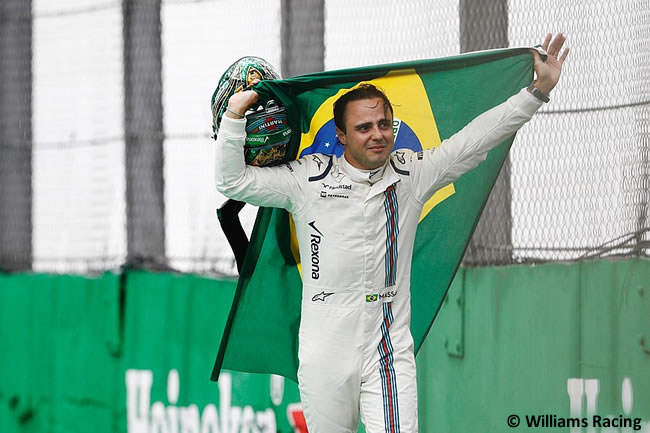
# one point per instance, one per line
(521, 338)
(119, 353)
(133, 353)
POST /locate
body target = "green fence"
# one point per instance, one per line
(133, 353)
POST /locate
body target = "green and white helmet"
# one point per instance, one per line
(267, 127)
(237, 77)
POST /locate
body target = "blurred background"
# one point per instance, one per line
(106, 156)
(106, 160)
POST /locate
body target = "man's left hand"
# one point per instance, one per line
(548, 72)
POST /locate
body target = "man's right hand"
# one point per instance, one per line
(240, 102)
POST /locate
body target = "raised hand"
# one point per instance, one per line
(240, 102)
(548, 72)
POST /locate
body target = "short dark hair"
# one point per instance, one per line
(364, 91)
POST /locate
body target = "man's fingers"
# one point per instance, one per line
(556, 45)
(547, 40)
(564, 54)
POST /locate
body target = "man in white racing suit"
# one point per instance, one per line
(356, 218)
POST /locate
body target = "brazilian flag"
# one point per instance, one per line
(432, 100)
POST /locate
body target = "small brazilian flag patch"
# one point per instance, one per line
(371, 298)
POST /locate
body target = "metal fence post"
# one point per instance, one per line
(143, 130)
(15, 135)
(484, 25)
(302, 36)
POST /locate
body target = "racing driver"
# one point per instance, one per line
(358, 213)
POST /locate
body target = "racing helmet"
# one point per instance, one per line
(267, 128)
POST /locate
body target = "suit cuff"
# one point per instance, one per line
(526, 102)
(233, 128)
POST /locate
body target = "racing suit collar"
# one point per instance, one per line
(360, 175)
(382, 179)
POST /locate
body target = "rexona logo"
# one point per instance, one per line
(144, 417)
(316, 237)
(258, 139)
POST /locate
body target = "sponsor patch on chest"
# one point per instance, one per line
(335, 191)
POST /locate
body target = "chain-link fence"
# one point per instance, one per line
(78, 148)
(84, 81)
(580, 169)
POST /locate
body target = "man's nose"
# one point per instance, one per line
(376, 134)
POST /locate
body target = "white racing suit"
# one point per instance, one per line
(356, 239)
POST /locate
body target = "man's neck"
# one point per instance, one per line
(363, 175)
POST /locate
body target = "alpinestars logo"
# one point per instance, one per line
(315, 251)
(317, 160)
(321, 296)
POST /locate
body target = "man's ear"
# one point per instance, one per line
(341, 136)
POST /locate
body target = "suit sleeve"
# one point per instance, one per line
(435, 168)
(260, 186)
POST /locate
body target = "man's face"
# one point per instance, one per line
(368, 136)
